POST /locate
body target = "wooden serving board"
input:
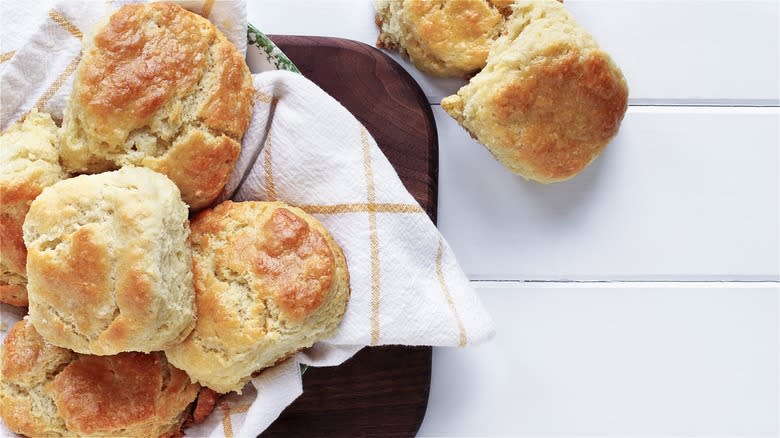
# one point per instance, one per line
(381, 391)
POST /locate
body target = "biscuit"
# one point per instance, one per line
(50, 391)
(108, 264)
(29, 161)
(270, 281)
(441, 37)
(549, 99)
(160, 87)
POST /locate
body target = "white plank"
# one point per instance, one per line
(614, 360)
(681, 194)
(692, 51)
(672, 51)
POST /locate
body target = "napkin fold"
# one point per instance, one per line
(304, 148)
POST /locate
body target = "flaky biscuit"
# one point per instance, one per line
(160, 87)
(28, 365)
(29, 161)
(549, 99)
(46, 390)
(448, 38)
(270, 281)
(108, 265)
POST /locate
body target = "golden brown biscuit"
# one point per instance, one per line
(159, 86)
(50, 391)
(29, 161)
(109, 266)
(549, 99)
(29, 364)
(270, 281)
(448, 38)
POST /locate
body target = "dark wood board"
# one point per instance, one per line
(381, 391)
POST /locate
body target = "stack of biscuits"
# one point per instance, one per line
(146, 301)
(542, 96)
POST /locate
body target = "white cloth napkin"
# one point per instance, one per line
(304, 148)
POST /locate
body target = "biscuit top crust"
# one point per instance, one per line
(565, 97)
(160, 87)
(269, 281)
(454, 36)
(549, 99)
(28, 364)
(108, 264)
(148, 55)
(135, 67)
(570, 109)
(288, 264)
(51, 391)
(28, 359)
(127, 392)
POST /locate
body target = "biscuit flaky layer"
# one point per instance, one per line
(549, 99)
(108, 266)
(270, 280)
(160, 87)
(29, 161)
(50, 391)
(441, 37)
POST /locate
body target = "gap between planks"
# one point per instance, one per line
(617, 284)
(696, 108)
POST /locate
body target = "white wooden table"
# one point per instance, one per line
(640, 298)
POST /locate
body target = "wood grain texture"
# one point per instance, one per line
(381, 391)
